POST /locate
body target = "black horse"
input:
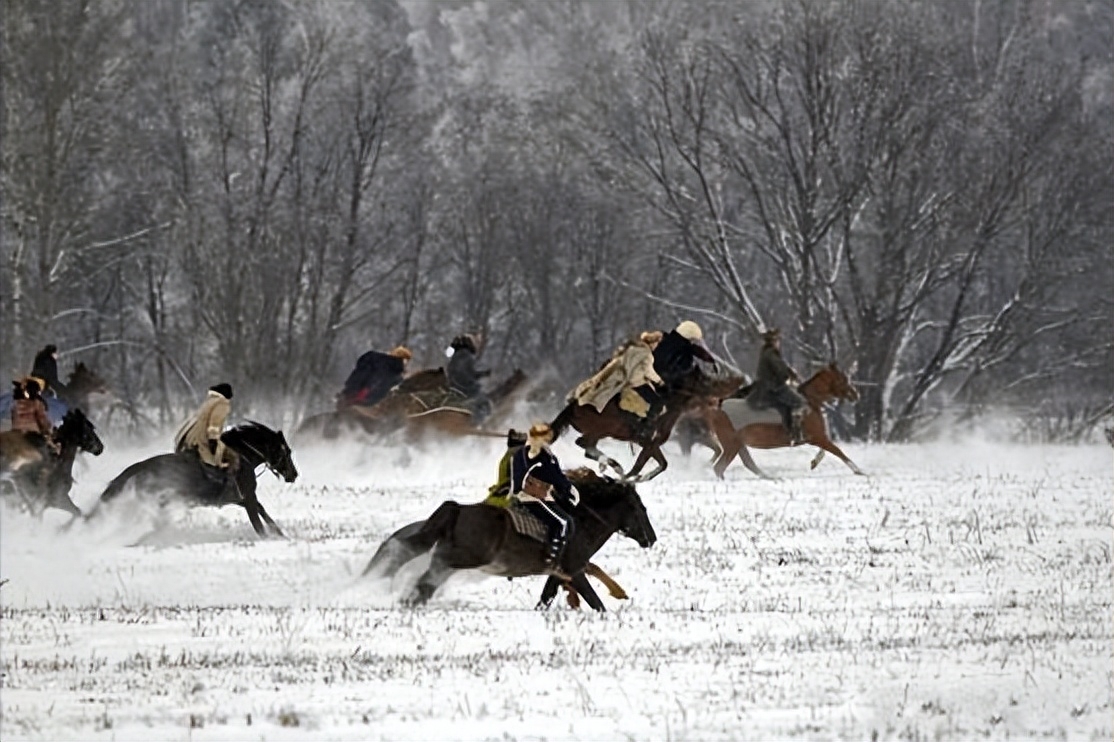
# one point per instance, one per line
(483, 537)
(183, 475)
(47, 482)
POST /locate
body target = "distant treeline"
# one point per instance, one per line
(256, 191)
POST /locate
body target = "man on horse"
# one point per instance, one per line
(201, 433)
(45, 367)
(630, 368)
(772, 385)
(29, 415)
(376, 373)
(539, 485)
(675, 359)
(464, 377)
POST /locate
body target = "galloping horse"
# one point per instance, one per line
(483, 537)
(46, 483)
(696, 390)
(182, 474)
(738, 425)
(422, 402)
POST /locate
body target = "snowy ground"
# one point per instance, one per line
(960, 591)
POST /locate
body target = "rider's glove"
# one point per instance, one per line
(574, 495)
(213, 446)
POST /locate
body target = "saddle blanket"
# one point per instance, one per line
(527, 524)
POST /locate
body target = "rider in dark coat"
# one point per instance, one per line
(45, 367)
(771, 384)
(373, 378)
(464, 377)
(538, 484)
(674, 358)
(676, 354)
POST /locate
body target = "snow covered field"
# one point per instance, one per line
(961, 591)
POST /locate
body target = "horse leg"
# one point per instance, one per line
(269, 521)
(613, 588)
(825, 444)
(432, 579)
(651, 451)
(748, 462)
(590, 450)
(549, 592)
(580, 582)
(817, 459)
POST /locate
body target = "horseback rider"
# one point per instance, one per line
(499, 493)
(464, 377)
(45, 367)
(674, 359)
(772, 385)
(29, 415)
(631, 367)
(376, 373)
(201, 433)
(539, 485)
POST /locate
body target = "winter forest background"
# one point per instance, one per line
(258, 191)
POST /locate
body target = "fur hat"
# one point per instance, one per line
(515, 438)
(224, 389)
(539, 432)
(689, 330)
(50, 349)
(652, 337)
(464, 341)
(771, 334)
(402, 352)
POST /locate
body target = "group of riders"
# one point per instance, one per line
(641, 375)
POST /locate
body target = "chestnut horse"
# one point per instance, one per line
(694, 391)
(421, 403)
(738, 425)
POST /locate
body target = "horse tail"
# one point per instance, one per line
(116, 486)
(413, 540)
(562, 420)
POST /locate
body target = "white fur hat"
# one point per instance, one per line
(689, 330)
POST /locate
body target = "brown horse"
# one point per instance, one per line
(483, 537)
(695, 391)
(738, 425)
(422, 403)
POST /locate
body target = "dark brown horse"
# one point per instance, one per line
(694, 392)
(422, 403)
(738, 425)
(483, 537)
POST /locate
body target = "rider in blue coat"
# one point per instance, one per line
(539, 485)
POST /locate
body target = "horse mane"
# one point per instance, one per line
(426, 380)
(246, 431)
(599, 490)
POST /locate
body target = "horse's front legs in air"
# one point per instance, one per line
(592, 452)
(825, 444)
(650, 450)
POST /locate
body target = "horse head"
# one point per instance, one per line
(702, 388)
(76, 430)
(620, 500)
(831, 382)
(83, 382)
(261, 445)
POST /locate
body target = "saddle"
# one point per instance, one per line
(527, 524)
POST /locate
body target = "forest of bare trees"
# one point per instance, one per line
(259, 190)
